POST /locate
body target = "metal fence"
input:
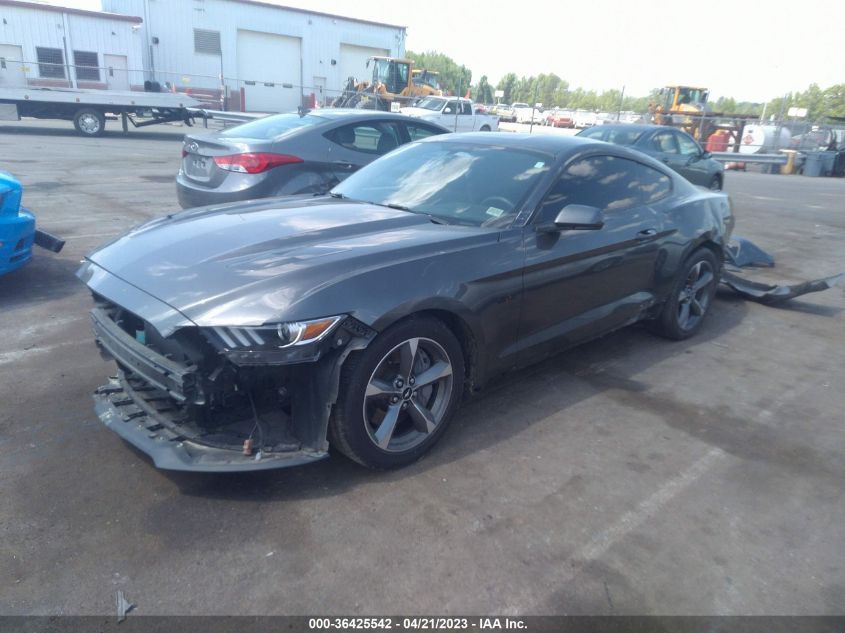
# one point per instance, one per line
(264, 94)
(214, 91)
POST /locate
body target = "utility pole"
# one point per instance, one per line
(621, 101)
(458, 102)
(533, 107)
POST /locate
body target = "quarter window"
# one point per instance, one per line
(371, 138)
(51, 62)
(417, 132)
(652, 184)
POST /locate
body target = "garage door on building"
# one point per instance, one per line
(353, 62)
(269, 67)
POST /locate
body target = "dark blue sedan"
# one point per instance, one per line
(677, 149)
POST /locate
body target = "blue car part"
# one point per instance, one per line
(17, 226)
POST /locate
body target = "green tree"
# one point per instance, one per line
(483, 92)
(453, 77)
(547, 89)
(551, 90)
(835, 100)
(507, 84)
(813, 98)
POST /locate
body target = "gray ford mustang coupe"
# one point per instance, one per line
(255, 335)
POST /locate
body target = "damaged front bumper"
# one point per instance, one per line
(173, 410)
(169, 448)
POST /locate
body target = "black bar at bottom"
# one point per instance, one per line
(137, 623)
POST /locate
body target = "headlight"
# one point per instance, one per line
(279, 336)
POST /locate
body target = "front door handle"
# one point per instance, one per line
(646, 234)
(343, 164)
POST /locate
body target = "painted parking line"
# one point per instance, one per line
(648, 508)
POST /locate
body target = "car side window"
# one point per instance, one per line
(368, 137)
(417, 132)
(688, 145)
(451, 106)
(665, 142)
(606, 182)
(466, 107)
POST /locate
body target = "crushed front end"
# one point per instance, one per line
(219, 399)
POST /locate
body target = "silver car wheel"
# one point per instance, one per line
(694, 297)
(408, 395)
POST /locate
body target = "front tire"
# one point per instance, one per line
(398, 395)
(692, 295)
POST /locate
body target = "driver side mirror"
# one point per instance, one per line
(705, 155)
(575, 217)
(447, 110)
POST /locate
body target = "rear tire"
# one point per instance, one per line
(691, 297)
(89, 122)
(485, 128)
(715, 184)
(398, 395)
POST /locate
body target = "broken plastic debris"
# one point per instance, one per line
(123, 606)
(742, 252)
(770, 294)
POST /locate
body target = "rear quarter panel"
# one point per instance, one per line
(697, 219)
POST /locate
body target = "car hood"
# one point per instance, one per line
(259, 262)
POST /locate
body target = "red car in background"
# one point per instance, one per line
(560, 118)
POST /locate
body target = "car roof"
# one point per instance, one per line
(547, 143)
(638, 127)
(352, 114)
(561, 147)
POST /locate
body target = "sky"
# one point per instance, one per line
(752, 50)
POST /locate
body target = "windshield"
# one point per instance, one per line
(430, 103)
(427, 79)
(617, 136)
(689, 95)
(458, 183)
(271, 127)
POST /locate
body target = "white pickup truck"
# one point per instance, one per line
(453, 114)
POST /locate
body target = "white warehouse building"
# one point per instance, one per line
(47, 46)
(270, 57)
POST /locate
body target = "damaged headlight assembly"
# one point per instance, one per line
(281, 343)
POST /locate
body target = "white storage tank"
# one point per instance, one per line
(756, 139)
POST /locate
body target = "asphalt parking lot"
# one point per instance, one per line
(632, 475)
